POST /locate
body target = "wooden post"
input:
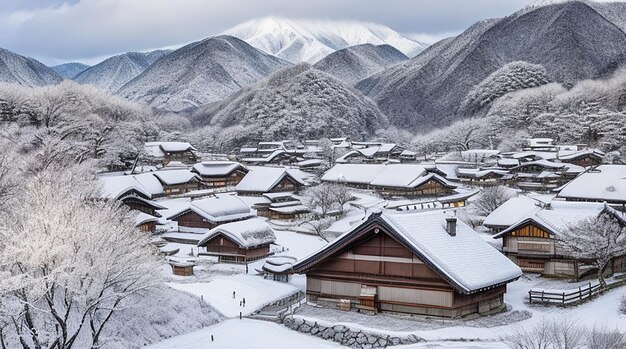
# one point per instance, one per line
(530, 297)
(564, 298)
(580, 293)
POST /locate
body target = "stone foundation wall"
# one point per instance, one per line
(347, 337)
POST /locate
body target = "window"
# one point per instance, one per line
(532, 231)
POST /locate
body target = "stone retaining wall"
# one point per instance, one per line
(347, 337)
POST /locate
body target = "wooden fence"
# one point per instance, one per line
(570, 297)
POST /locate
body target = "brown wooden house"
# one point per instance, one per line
(166, 152)
(532, 242)
(282, 206)
(176, 182)
(217, 174)
(261, 180)
(208, 213)
(146, 222)
(419, 263)
(408, 180)
(238, 242)
(584, 158)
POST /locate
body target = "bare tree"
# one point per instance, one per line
(598, 240)
(491, 198)
(319, 225)
(602, 338)
(326, 197)
(68, 261)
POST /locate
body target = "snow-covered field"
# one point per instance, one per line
(245, 334)
(219, 293)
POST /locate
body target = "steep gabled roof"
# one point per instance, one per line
(217, 209)
(247, 233)
(556, 216)
(172, 177)
(263, 179)
(217, 168)
(465, 261)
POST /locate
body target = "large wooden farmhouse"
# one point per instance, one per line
(391, 180)
(208, 213)
(532, 240)
(261, 180)
(411, 262)
(239, 242)
(217, 174)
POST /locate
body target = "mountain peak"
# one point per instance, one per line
(309, 40)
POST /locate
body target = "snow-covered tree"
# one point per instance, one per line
(68, 262)
(511, 77)
(598, 240)
(490, 198)
(326, 197)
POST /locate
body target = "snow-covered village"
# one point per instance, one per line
(359, 174)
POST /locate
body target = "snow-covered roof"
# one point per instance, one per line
(508, 162)
(262, 179)
(557, 216)
(114, 187)
(541, 163)
(511, 211)
(157, 149)
(547, 155)
(465, 260)
(143, 218)
(604, 183)
(172, 177)
(216, 168)
(246, 233)
(218, 209)
(268, 158)
(382, 175)
(581, 153)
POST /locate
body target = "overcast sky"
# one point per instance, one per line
(57, 31)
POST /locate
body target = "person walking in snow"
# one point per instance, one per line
(233, 294)
(244, 302)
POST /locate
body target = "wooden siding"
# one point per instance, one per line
(403, 282)
(194, 220)
(231, 179)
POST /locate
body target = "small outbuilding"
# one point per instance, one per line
(208, 213)
(239, 242)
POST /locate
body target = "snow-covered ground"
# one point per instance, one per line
(219, 292)
(245, 334)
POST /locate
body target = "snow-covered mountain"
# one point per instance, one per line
(17, 69)
(200, 73)
(311, 40)
(572, 40)
(114, 72)
(70, 70)
(355, 63)
(294, 102)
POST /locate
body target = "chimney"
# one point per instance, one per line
(451, 225)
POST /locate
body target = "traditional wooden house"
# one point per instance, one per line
(584, 158)
(484, 177)
(176, 182)
(392, 179)
(217, 174)
(210, 212)
(605, 183)
(146, 222)
(544, 175)
(165, 152)
(261, 180)
(420, 263)
(238, 242)
(281, 206)
(532, 242)
(511, 212)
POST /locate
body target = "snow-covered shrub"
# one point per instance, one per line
(491, 198)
